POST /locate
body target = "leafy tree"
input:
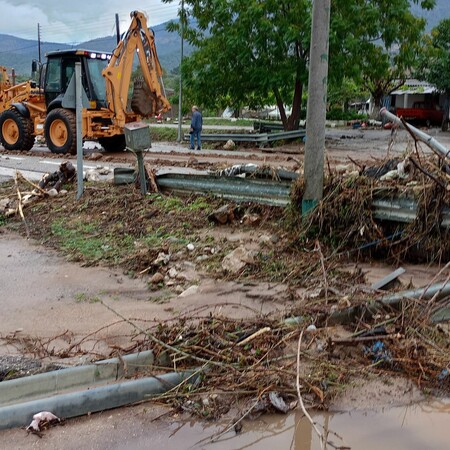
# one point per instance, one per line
(376, 43)
(254, 52)
(434, 65)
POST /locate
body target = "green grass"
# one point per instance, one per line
(228, 122)
(2, 220)
(82, 297)
(164, 134)
(83, 240)
(179, 204)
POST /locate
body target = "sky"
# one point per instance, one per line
(73, 21)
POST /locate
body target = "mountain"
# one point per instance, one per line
(18, 53)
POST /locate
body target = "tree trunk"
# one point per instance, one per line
(445, 119)
(294, 120)
(280, 105)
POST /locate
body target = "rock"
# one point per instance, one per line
(162, 259)
(96, 156)
(4, 203)
(265, 239)
(190, 247)
(172, 272)
(191, 161)
(251, 219)
(229, 145)
(179, 289)
(311, 328)
(191, 290)
(40, 140)
(202, 258)
(235, 261)
(223, 215)
(104, 171)
(91, 175)
(52, 192)
(63, 192)
(157, 278)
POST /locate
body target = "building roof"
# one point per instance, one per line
(413, 86)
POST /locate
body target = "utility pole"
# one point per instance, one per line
(39, 42)
(317, 102)
(180, 96)
(117, 28)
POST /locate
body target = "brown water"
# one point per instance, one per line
(417, 427)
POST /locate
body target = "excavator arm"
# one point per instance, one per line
(149, 97)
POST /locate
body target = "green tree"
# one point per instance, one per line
(376, 43)
(434, 65)
(254, 52)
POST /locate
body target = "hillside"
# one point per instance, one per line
(18, 53)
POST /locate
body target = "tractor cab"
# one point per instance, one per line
(58, 78)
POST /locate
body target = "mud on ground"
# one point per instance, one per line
(193, 302)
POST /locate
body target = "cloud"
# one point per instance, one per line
(72, 21)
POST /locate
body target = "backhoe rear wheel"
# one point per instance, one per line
(60, 131)
(16, 131)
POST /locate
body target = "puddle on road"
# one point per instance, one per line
(416, 427)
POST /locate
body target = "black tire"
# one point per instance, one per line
(16, 131)
(113, 144)
(60, 131)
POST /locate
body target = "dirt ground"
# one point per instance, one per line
(52, 303)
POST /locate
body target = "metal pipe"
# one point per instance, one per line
(420, 135)
(79, 128)
(441, 290)
(93, 400)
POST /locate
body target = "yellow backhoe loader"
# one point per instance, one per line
(49, 110)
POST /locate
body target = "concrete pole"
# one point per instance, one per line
(180, 98)
(317, 101)
(79, 112)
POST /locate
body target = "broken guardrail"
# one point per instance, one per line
(256, 138)
(97, 399)
(70, 378)
(418, 134)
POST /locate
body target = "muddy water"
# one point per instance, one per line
(416, 427)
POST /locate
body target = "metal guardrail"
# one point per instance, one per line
(267, 127)
(257, 138)
(277, 193)
(403, 210)
(270, 192)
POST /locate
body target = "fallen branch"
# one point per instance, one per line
(254, 335)
(300, 398)
(20, 206)
(428, 174)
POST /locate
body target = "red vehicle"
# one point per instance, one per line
(422, 112)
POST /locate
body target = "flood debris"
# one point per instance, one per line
(42, 421)
(65, 174)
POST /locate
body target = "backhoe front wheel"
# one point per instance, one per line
(60, 131)
(16, 131)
